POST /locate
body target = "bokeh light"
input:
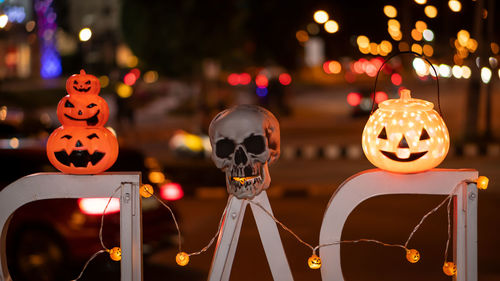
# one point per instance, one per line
(421, 2)
(285, 79)
(466, 72)
(302, 36)
(123, 90)
(85, 34)
(428, 50)
(420, 26)
(486, 74)
(4, 19)
(416, 48)
(430, 11)
(455, 5)
(428, 35)
(396, 79)
(457, 71)
(104, 81)
(150, 76)
(331, 26)
(390, 11)
(321, 16)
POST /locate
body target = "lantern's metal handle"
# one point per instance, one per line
(402, 53)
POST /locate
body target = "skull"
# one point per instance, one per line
(245, 139)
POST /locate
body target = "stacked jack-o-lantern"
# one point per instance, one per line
(82, 145)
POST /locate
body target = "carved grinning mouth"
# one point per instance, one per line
(84, 90)
(79, 158)
(413, 156)
(92, 121)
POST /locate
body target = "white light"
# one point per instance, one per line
(466, 72)
(331, 26)
(499, 73)
(321, 16)
(457, 71)
(420, 66)
(85, 34)
(444, 70)
(4, 19)
(428, 35)
(486, 75)
(431, 71)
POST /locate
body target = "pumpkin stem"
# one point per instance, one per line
(82, 72)
(405, 95)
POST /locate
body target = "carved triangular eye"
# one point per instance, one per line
(383, 134)
(424, 135)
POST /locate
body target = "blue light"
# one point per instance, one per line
(261, 92)
(51, 63)
(15, 14)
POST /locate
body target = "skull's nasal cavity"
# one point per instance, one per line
(403, 143)
(240, 157)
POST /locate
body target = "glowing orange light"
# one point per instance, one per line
(95, 206)
(412, 255)
(450, 268)
(482, 182)
(285, 79)
(353, 99)
(171, 191)
(115, 253)
(405, 136)
(314, 262)
(182, 258)
(334, 66)
(396, 79)
(261, 81)
(146, 190)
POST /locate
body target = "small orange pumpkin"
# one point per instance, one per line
(77, 150)
(83, 110)
(83, 83)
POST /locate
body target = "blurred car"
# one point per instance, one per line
(51, 239)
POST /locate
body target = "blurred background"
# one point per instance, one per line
(167, 67)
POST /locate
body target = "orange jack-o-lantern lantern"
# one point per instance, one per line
(405, 136)
(83, 83)
(83, 111)
(77, 150)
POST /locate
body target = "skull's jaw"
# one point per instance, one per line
(248, 186)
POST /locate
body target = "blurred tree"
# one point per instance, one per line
(175, 36)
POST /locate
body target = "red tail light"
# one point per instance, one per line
(95, 206)
(171, 191)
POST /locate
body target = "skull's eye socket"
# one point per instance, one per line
(424, 135)
(91, 105)
(66, 137)
(68, 104)
(88, 82)
(383, 134)
(224, 148)
(255, 144)
(92, 136)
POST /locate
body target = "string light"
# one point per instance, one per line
(146, 190)
(450, 268)
(482, 182)
(182, 259)
(115, 253)
(412, 255)
(314, 262)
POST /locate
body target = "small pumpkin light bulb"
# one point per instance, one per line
(482, 182)
(412, 255)
(115, 253)
(450, 268)
(314, 262)
(182, 258)
(146, 190)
